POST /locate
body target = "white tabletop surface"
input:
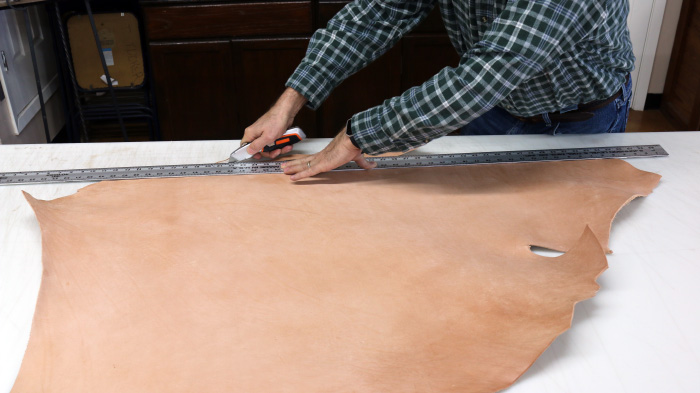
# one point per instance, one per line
(640, 333)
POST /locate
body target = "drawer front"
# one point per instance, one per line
(228, 20)
(432, 23)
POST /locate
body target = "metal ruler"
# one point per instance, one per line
(262, 167)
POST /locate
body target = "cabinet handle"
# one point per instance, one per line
(4, 60)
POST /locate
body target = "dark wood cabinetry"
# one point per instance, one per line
(194, 84)
(229, 20)
(415, 51)
(681, 98)
(261, 67)
(218, 67)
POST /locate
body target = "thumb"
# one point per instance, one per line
(363, 163)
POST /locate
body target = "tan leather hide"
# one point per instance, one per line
(408, 280)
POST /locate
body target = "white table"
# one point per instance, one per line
(640, 333)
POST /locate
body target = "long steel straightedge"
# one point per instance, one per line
(261, 167)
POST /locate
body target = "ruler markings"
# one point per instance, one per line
(406, 161)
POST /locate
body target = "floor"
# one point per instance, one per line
(649, 120)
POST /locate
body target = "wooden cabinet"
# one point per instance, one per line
(260, 69)
(218, 67)
(195, 89)
(229, 20)
(681, 98)
(416, 49)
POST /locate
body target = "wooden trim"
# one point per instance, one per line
(228, 20)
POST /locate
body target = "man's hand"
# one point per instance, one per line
(273, 124)
(340, 151)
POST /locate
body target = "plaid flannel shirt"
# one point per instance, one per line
(528, 57)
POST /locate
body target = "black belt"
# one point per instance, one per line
(583, 112)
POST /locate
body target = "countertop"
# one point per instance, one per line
(640, 333)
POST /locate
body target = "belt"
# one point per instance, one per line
(583, 112)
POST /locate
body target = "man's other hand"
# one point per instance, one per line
(339, 152)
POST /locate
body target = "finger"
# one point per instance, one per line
(276, 153)
(310, 170)
(249, 134)
(296, 166)
(283, 150)
(260, 143)
(293, 169)
(316, 164)
(287, 149)
(288, 166)
(298, 159)
(363, 163)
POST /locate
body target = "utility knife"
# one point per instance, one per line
(292, 136)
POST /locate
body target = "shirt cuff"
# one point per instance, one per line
(311, 83)
(372, 138)
(348, 132)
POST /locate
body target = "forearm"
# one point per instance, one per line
(450, 99)
(290, 102)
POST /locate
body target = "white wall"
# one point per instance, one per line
(644, 21)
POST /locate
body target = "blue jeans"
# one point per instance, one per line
(608, 119)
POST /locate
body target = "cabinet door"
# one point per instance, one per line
(195, 90)
(261, 68)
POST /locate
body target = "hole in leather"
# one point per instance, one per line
(545, 252)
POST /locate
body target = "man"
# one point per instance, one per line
(536, 66)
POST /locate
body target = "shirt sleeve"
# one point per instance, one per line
(515, 48)
(361, 32)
